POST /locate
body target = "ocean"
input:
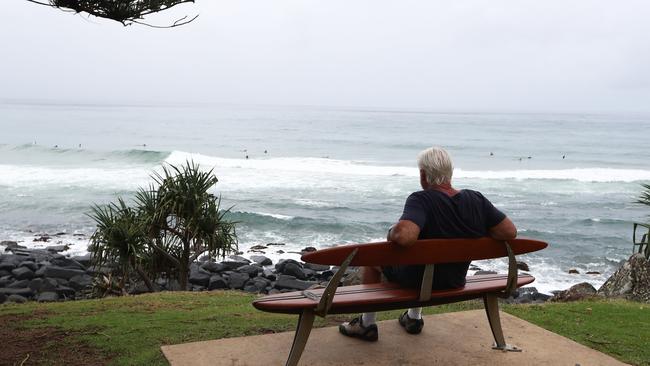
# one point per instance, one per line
(318, 176)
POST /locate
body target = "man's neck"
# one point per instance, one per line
(444, 188)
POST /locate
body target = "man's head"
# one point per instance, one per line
(435, 167)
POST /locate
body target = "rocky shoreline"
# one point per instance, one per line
(45, 275)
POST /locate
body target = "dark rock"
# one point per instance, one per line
(316, 267)
(29, 264)
(573, 271)
(631, 281)
(67, 263)
(61, 281)
(214, 267)
(3, 298)
(258, 247)
(238, 258)
(4, 273)
(26, 292)
(256, 285)
(279, 267)
(8, 243)
(19, 284)
(81, 282)
(474, 268)
(280, 251)
(291, 283)
(576, 292)
(84, 260)
(59, 272)
(40, 272)
(250, 270)
(593, 273)
(523, 266)
(308, 250)
(139, 288)
(238, 280)
(23, 273)
(275, 244)
(47, 297)
(353, 276)
(35, 284)
(269, 274)
(17, 299)
(57, 248)
(233, 264)
(293, 269)
(261, 260)
(325, 275)
(7, 266)
(48, 284)
(484, 273)
(217, 282)
(44, 238)
(5, 281)
(199, 276)
(525, 295)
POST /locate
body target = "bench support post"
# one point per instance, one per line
(305, 322)
(491, 304)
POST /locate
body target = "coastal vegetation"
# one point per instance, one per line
(130, 330)
(171, 224)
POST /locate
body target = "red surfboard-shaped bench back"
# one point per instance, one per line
(430, 251)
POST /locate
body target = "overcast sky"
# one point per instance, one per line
(519, 55)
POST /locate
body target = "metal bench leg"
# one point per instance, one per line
(305, 322)
(492, 310)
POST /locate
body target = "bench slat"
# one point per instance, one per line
(430, 251)
(385, 296)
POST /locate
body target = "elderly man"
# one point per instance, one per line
(437, 211)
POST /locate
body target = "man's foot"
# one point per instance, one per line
(412, 326)
(354, 328)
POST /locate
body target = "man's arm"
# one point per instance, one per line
(404, 233)
(505, 230)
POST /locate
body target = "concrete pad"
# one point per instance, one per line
(462, 338)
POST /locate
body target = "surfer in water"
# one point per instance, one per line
(437, 211)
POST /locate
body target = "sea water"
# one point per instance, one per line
(316, 176)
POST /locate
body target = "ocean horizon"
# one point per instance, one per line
(317, 176)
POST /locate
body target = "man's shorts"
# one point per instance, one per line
(446, 275)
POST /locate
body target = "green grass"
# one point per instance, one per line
(130, 330)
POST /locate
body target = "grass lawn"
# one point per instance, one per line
(130, 330)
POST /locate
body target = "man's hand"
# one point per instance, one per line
(404, 233)
(505, 230)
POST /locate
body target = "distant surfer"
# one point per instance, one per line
(491, 153)
(266, 152)
(246, 156)
(563, 156)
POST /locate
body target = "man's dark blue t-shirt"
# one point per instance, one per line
(467, 214)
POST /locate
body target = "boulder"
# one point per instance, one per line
(48, 284)
(25, 292)
(279, 267)
(523, 266)
(5, 281)
(17, 299)
(67, 263)
(214, 267)
(250, 270)
(4, 273)
(199, 276)
(57, 248)
(269, 275)
(576, 292)
(8, 243)
(65, 292)
(217, 282)
(47, 297)
(631, 280)
(22, 273)
(59, 272)
(316, 267)
(233, 264)
(238, 280)
(7, 266)
(525, 295)
(573, 271)
(291, 283)
(81, 282)
(3, 298)
(19, 284)
(84, 260)
(29, 264)
(293, 269)
(261, 260)
(36, 284)
(256, 285)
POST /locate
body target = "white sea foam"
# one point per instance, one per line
(276, 216)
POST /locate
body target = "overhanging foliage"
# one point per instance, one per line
(124, 11)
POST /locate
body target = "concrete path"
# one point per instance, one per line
(448, 339)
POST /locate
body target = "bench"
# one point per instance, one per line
(389, 296)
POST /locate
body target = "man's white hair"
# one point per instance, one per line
(437, 165)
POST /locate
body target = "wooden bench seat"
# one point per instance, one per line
(390, 296)
(385, 296)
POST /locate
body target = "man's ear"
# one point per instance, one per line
(423, 179)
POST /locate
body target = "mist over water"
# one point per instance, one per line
(332, 176)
